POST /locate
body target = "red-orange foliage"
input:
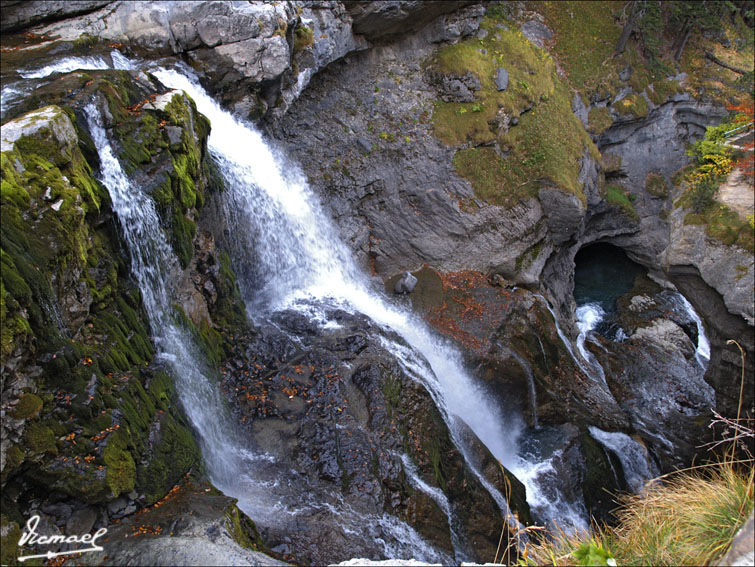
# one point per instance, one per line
(746, 114)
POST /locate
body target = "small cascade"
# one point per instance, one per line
(154, 266)
(567, 343)
(530, 383)
(702, 352)
(66, 65)
(542, 450)
(588, 318)
(635, 461)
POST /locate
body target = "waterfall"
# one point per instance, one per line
(635, 461)
(285, 250)
(702, 352)
(154, 266)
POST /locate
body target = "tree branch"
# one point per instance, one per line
(724, 64)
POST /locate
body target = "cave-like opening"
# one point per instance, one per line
(603, 272)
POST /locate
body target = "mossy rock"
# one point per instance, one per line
(121, 469)
(634, 105)
(10, 534)
(656, 185)
(243, 530)
(661, 91)
(39, 438)
(29, 405)
(616, 195)
(599, 120)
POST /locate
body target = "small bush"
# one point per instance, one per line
(702, 194)
(303, 38)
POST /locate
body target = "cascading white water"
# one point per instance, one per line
(589, 316)
(154, 265)
(563, 337)
(287, 250)
(702, 352)
(66, 65)
(635, 461)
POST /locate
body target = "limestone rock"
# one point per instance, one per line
(728, 269)
(537, 32)
(19, 14)
(564, 213)
(386, 18)
(501, 79)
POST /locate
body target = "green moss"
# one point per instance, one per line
(661, 91)
(120, 473)
(10, 534)
(585, 35)
(182, 237)
(656, 185)
(13, 459)
(525, 260)
(599, 120)
(173, 453)
(617, 196)
(40, 439)
(634, 104)
(28, 406)
(243, 530)
(228, 310)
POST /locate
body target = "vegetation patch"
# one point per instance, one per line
(616, 195)
(599, 120)
(712, 164)
(689, 519)
(531, 121)
(585, 36)
(661, 91)
(29, 405)
(303, 38)
(633, 104)
(656, 185)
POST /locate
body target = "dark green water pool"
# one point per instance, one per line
(603, 273)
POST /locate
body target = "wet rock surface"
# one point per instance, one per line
(332, 403)
(193, 525)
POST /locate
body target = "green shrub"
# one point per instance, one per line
(702, 195)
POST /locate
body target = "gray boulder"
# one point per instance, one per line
(536, 32)
(501, 79)
(406, 284)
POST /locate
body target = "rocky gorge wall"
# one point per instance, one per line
(374, 101)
